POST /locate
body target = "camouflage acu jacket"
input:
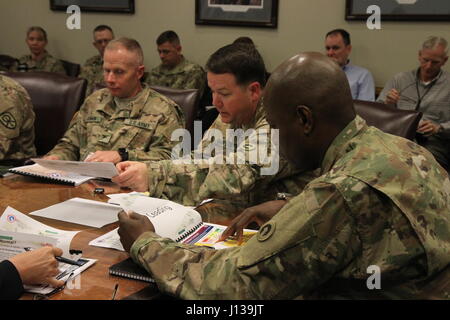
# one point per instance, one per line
(92, 71)
(143, 125)
(16, 121)
(186, 75)
(381, 201)
(240, 184)
(48, 63)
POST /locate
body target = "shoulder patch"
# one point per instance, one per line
(266, 231)
(8, 120)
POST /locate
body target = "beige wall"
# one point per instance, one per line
(302, 25)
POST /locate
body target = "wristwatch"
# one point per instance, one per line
(123, 153)
(283, 196)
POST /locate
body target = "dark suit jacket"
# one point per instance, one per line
(10, 283)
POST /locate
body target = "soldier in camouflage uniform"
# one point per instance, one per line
(123, 116)
(175, 71)
(92, 70)
(236, 185)
(39, 59)
(381, 201)
(16, 121)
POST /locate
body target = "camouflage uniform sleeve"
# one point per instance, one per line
(16, 125)
(199, 177)
(68, 147)
(197, 79)
(311, 239)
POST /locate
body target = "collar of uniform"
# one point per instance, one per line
(40, 62)
(122, 108)
(179, 68)
(259, 114)
(131, 107)
(340, 144)
(98, 60)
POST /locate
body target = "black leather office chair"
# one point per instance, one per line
(395, 121)
(55, 99)
(6, 62)
(72, 69)
(186, 99)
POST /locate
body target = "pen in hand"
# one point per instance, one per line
(61, 259)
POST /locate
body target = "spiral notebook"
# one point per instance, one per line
(128, 269)
(56, 176)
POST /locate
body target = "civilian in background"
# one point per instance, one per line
(338, 47)
(426, 89)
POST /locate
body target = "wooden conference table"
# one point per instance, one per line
(28, 194)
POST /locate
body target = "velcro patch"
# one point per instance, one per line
(8, 120)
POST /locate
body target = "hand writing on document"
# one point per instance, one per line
(133, 175)
(38, 266)
(131, 226)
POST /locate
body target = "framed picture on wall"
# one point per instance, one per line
(400, 10)
(118, 6)
(252, 13)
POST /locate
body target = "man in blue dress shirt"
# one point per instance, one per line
(338, 47)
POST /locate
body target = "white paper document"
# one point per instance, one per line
(91, 169)
(170, 219)
(15, 221)
(14, 243)
(110, 240)
(81, 211)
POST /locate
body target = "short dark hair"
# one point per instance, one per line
(103, 27)
(241, 60)
(37, 29)
(345, 35)
(246, 40)
(168, 36)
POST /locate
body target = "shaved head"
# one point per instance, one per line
(308, 99)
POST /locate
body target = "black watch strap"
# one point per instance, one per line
(123, 154)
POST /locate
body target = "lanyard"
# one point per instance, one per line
(419, 97)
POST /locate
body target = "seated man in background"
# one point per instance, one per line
(381, 203)
(338, 47)
(175, 71)
(126, 121)
(426, 89)
(34, 267)
(38, 59)
(16, 121)
(236, 76)
(92, 70)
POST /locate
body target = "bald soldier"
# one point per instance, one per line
(16, 121)
(381, 203)
(92, 70)
(125, 121)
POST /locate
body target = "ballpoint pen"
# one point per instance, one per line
(62, 259)
(115, 291)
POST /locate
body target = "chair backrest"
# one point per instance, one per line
(55, 99)
(186, 99)
(395, 121)
(6, 62)
(72, 69)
